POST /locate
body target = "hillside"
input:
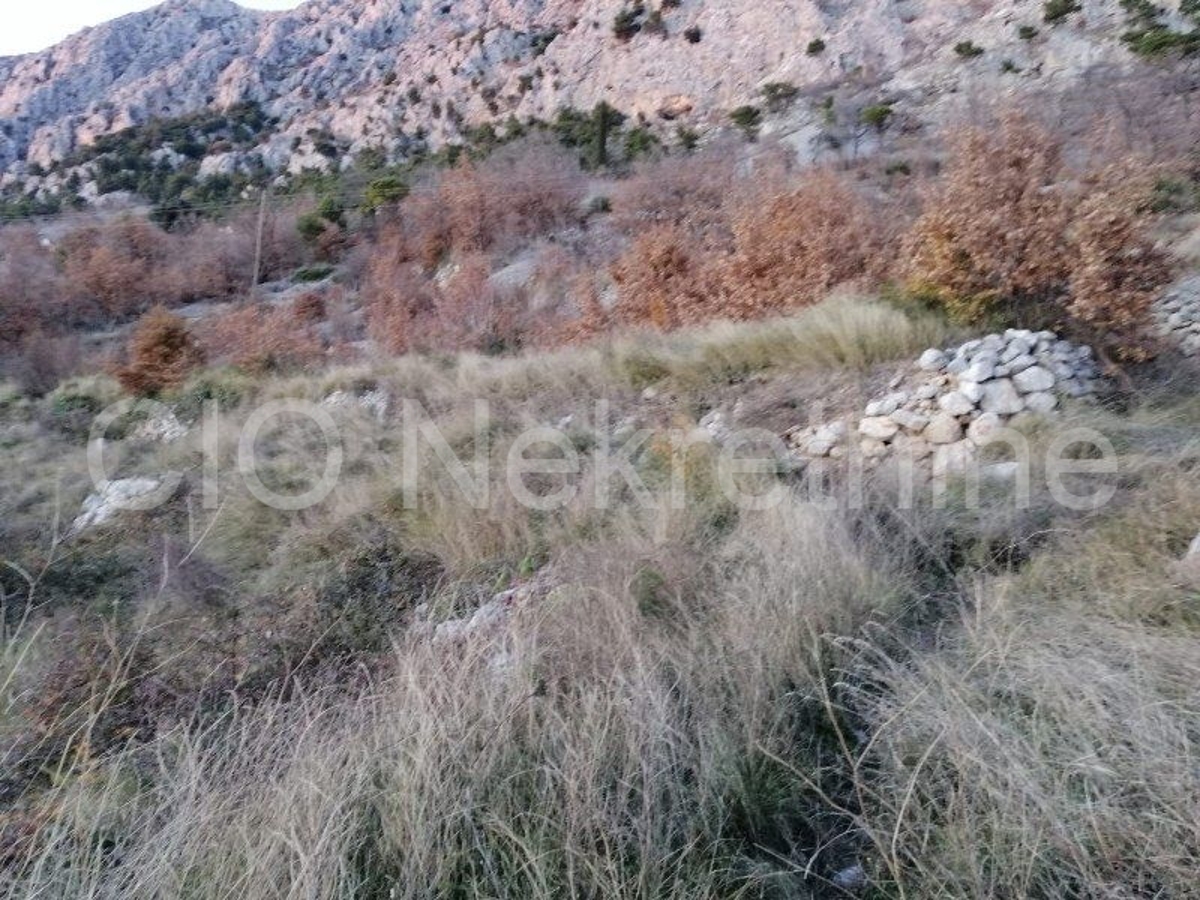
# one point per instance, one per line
(675, 451)
(337, 78)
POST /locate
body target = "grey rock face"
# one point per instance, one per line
(356, 67)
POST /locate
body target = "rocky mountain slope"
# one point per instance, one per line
(390, 74)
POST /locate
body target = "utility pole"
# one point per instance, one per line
(258, 242)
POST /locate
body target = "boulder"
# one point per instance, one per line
(981, 368)
(910, 420)
(872, 448)
(913, 447)
(111, 498)
(972, 390)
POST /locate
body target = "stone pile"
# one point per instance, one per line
(957, 398)
(1177, 315)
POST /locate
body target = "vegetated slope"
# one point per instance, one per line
(864, 695)
(396, 75)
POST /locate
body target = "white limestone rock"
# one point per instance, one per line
(1001, 397)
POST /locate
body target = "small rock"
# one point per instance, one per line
(1001, 472)
(852, 878)
(872, 448)
(910, 421)
(879, 428)
(956, 403)
(943, 429)
(1042, 402)
(981, 430)
(1001, 397)
(1033, 379)
(932, 360)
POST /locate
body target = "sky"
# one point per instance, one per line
(38, 25)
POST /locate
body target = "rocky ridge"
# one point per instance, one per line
(372, 73)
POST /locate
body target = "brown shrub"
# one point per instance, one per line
(407, 311)
(30, 287)
(1115, 272)
(397, 294)
(118, 267)
(309, 308)
(692, 190)
(791, 249)
(1013, 233)
(665, 281)
(161, 354)
(993, 229)
(517, 193)
(259, 339)
(43, 361)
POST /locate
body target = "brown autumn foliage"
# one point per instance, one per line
(793, 248)
(161, 354)
(788, 250)
(517, 193)
(260, 339)
(42, 361)
(408, 311)
(992, 232)
(30, 287)
(694, 190)
(1115, 272)
(1012, 232)
(666, 281)
(117, 268)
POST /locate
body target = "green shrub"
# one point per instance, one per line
(310, 274)
(384, 191)
(748, 118)
(639, 142)
(1027, 32)
(968, 49)
(877, 115)
(815, 47)
(1054, 11)
(779, 94)
(628, 22)
(310, 226)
